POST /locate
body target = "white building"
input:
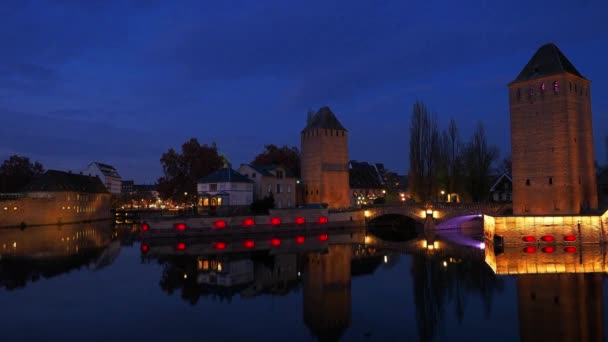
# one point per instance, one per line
(108, 175)
(225, 187)
(272, 180)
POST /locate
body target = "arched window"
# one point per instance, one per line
(555, 87)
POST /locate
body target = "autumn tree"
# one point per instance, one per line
(183, 170)
(478, 159)
(16, 172)
(285, 155)
(424, 153)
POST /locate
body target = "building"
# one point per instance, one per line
(127, 186)
(552, 137)
(225, 187)
(366, 183)
(324, 164)
(57, 197)
(502, 190)
(271, 180)
(108, 174)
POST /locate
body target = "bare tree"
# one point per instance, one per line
(424, 153)
(479, 157)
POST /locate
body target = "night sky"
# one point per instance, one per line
(122, 81)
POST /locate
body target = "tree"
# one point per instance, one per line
(183, 170)
(424, 153)
(479, 157)
(507, 166)
(16, 172)
(285, 155)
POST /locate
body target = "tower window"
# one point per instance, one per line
(518, 94)
(555, 87)
(570, 85)
(528, 182)
(550, 180)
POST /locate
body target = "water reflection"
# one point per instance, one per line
(28, 255)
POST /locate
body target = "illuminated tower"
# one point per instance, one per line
(551, 137)
(324, 165)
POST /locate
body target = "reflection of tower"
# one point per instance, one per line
(551, 137)
(561, 307)
(324, 165)
(327, 292)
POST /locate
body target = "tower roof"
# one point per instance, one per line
(548, 60)
(324, 118)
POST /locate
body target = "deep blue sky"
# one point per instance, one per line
(122, 81)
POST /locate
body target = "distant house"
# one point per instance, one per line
(108, 174)
(502, 190)
(272, 180)
(366, 183)
(127, 186)
(225, 187)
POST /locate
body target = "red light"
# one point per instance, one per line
(144, 248)
(219, 245)
(180, 246)
(249, 243)
(529, 249)
(299, 239)
(248, 222)
(570, 238)
(548, 249)
(323, 237)
(322, 219)
(145, 227)
(570, 249)
(180, 226)
(300, 220)
(275, 242)
(275, 221)
(528, 238)
(219, 224)
(548, 238)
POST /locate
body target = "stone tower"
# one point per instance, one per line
(551, 137)
(324, 165)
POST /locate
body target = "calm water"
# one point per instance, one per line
(99, 283)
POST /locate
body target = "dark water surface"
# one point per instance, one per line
(100, 285)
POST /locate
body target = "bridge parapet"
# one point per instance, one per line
(439, 211)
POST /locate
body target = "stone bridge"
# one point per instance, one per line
(439, 212)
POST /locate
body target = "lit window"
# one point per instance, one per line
(543, 87)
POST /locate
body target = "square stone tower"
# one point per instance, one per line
(552, 137)
(324, 164)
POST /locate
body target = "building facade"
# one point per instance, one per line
(366, 183)
(502, 190)
(108, 174)
(271, 180)
(225, 187)
(324, 163)
(552, 137)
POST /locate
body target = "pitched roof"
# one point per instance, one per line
(362, 175)
(107, 170)
(325, 118)
(263, 169)
(54, 180)
(499, 179)
(225, 175)
(548, 60)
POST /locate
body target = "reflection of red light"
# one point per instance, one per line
(145, 248)
(548, 249)
(323, 237)
(275, 221)
(180, 226)
(219, 224)
(299, 239)
(548, 238)
(529, 249)
(219, 245)
(145, 227)
(528, 238)
(570, 238)
(322, 219)
(249, 243)
(248, 222)
(275, 242)
(570, 249)
(180, 246)
(300, 220)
